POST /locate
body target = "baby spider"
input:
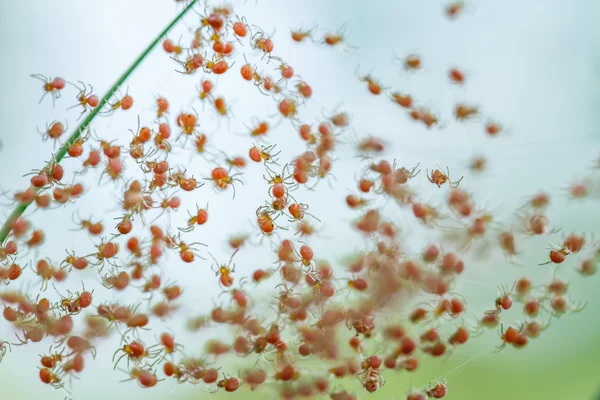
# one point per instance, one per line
(240, 28)
(187, 251)
(439, 178)
(52, 379)
(574, 242)
(134, 351)
(237, 241)
(93, 228)
(578, 190)
(263, 42)
(456, 76)
(167, 205)
(191, 64)
(478, 164)
(299, 35)
(170, 47)
(145, 378)
(264, 154)
(266, 221)
(557, 255)
(51, 85)
(371, 379)
(454, 9)
(85, 98)
(106, 252)
(537, 224)
(224, 270)
(162, 106)
(339, 119)
(280, 184)
(201, 147)
(402, 175)
(411, 62)
(561, 305)
(338, 38)
(223, 179)
(258, 130)
(199, 218)
(503, 302)
(493, 128)
(510, 336)
(223, 110)
(463, 112)
(54, 130)
(123, 103)
(366, 147)
(298, 211)
(230, 384)
(188, 184)
(425, 115)
(402, 99)
(372, 85)
(506, 241)
(438, 391)
(250, 73)
(75, 303)
(188, 123)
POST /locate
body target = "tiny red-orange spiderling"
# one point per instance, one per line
(287, 108)
(255, 154)
(509, 336)
(416, 396)
(51, 85)
(493, 128)
(460, 336)
(588, 267)
(304, 89)
(454, 9)
(247, 72)
(456, 76)
(239, 28)
(478, 163)
(170, 47)
(220, 67)
(403, 100)
(372, 85)
(463, 112)
(338, 38)
(287, 71)
(162, 106)
(579, 190)
(221, 106)
(147, 379)
(54, 130)
(557, 256)
(125, 103)
(439, 178)
(574, 242)
(300, 35)
(438, 391)
(412, 62)
(278, 190)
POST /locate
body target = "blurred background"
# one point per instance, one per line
(533, 65)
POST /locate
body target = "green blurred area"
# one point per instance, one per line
(510, 374)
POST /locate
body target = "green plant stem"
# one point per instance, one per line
(20, 209)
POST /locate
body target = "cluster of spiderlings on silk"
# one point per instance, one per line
(384, 313)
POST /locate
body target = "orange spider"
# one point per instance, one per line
(439, 178)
